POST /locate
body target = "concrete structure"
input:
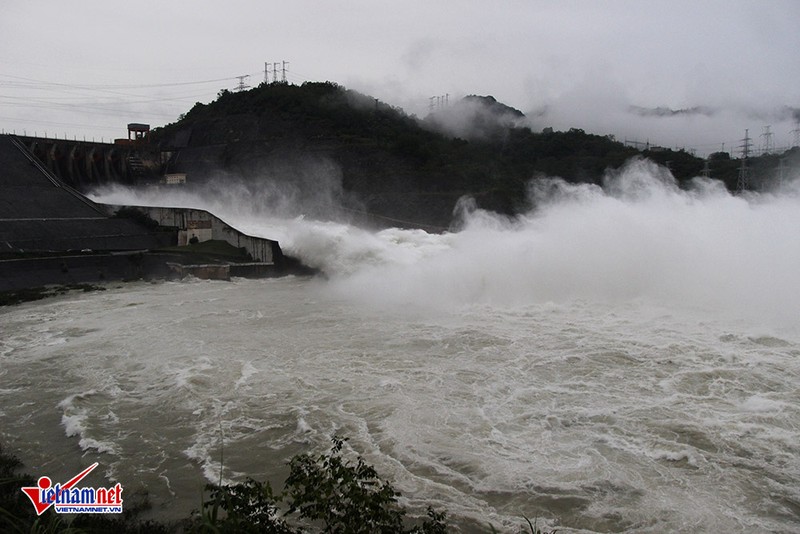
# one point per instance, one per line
(39, 212)
(82, 164)
(212, 271)
(51, 234)
(175, 178)
(202, 225)
(138, 131)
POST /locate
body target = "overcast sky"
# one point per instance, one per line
(679, 73)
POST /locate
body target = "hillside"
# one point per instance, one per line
(379, 160)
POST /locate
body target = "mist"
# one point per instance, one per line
(475, 118)
(638, 238)
(281, 189)
(698, 125)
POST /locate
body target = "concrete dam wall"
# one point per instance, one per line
(50, 233)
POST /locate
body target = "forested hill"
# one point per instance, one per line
(400, 168)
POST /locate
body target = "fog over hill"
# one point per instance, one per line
(383, 166)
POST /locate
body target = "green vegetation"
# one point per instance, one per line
(17, 516)
(18, 296)
(325, 494)
(401, 167)
(397, 166)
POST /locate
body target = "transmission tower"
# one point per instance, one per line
(274, 69)
(438, 102)
(743, 182)
(767, 135)
(242, 86)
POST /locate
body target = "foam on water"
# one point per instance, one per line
(618, 360)
(609, 417)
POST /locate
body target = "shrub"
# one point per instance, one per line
(336, 495)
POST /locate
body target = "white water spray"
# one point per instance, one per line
(621, 359)
(640, 237)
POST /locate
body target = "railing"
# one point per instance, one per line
(52, 177)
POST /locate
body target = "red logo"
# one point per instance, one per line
(67, 498)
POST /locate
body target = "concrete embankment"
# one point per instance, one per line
(52, 234)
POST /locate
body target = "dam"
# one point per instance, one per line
(50, 233)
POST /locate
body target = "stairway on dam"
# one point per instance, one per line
(52, 234)
(38, 212)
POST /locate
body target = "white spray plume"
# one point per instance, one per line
(638, 237)
(475, 118)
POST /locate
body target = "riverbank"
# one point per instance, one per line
(11, 297)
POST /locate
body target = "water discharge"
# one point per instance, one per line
(624, 359)
(639, 237)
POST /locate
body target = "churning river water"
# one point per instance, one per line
(618, 361)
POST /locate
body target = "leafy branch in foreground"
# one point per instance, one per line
(326, 494)
(250, 506)
(329, 493)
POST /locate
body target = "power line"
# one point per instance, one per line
(55, 123)
(767, 135)
(47, 99)
(743, 182)
(117, 86)
(299, 76)
(746, 144)
(276, 67)
(438, 102)
(242, 86)
(12, 100)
